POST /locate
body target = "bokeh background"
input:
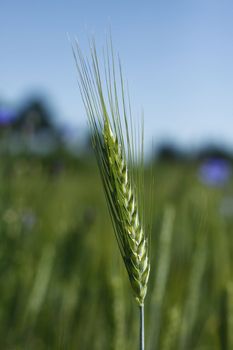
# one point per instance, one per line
(62, 281)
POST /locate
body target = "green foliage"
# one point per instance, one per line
(61, 290)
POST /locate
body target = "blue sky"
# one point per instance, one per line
(177, 57)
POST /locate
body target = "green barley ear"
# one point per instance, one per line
(119, 152)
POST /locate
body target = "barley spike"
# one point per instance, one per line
(120, 161)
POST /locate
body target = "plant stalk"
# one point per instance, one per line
(142, 336)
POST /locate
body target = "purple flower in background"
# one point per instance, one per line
(215, 172)
(6, 116)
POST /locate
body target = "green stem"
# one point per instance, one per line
(142, 337)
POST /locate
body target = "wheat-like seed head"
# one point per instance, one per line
(113, 141)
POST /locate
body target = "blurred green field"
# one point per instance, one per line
(63, 284)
